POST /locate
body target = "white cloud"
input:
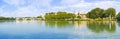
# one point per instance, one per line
(66, 2)
(23, 12)
(15, 2)
(32, 9)
(35, 7)
(23, 2)
(86, 6)
(43, 3)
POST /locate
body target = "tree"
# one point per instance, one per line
(78, 17)
(118, 16)
(70, 15)
(6, 18)
(100, 13)
(59, 16)
(50, 15)
(39, 17)
(47, 16)
(110, 12)
(62, 15)
(95, 13)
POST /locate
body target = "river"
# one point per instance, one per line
(59, 30)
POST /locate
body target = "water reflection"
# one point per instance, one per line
(6, 21)
(25, 21)
(100, 26)
(59, 24)
(59, 29)
(94, 26)
(118, 22)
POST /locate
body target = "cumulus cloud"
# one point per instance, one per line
(25, 7)
(40, 7)
(66, 2)
(15, 2)
(86, 6)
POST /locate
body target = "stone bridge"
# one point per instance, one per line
(26, 18)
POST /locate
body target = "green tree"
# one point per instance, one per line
(100, 13)
(79, 17)
(95, 13)
(118, 15)
(6, 18)
(59, 16)
(39, 17)
(110, 12)
(47, 16)
(70, 15)
(50, 15)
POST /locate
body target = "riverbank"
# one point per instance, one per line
(97, 19)
(7, 18)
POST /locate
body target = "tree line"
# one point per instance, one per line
(101, 13)
(7, 18)
(59, 16)
(93, 14)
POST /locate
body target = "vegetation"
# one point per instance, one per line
(110, 12)
(95, 14)
(39, 17)
(79, 17)
(7, 18)
(100, 13)
(59, 16)
(118, 16)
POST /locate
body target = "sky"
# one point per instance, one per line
(32, 8)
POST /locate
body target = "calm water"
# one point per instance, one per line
(59, 30)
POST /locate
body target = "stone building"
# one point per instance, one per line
(81, 14)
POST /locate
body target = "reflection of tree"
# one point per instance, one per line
(59, 24)
(3, 21)
(118, 23)
(101, 26)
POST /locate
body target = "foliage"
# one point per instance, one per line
(100, 13)
(95, 13)
(118, 15)
(39, 17)
(59, 16)
(7, 18)
(110, 12)
(79, 17)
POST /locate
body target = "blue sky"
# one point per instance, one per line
(23, 8)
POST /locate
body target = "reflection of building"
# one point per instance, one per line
(79, 25)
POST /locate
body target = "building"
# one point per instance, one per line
(81, 14)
